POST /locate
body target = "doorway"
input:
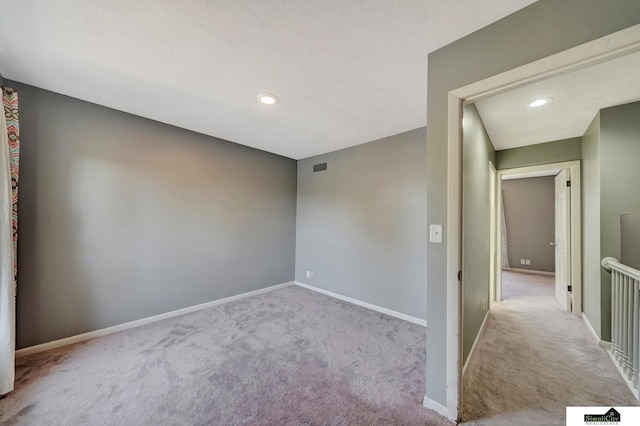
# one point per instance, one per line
(566, 243)
(591, 53)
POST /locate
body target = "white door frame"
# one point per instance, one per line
(576, 223)
(494, 252)
(600, 50)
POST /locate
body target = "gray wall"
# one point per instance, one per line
(361, 223)
(544, 153)
(619, 189)
(591, 270)
(544, 28)
(122, 217)
(610, 153)
(630, 240)
(477, 153)
(529, 211)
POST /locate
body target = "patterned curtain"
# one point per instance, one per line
(10, 103)
(9, 166)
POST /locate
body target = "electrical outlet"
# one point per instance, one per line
(309, 274)
(522, 261)
(527, 261)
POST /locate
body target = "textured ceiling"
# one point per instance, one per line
(577, 97)
(347, 71)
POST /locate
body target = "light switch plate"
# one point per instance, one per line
(435, 233)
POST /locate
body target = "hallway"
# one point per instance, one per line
(534, 359)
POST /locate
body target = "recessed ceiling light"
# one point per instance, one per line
(539, 102)
(268, 98)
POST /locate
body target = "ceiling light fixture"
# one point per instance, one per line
(268, 98)
(539, 102)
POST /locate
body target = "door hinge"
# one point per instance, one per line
(568, 183)
(459, 275)
(569, 288)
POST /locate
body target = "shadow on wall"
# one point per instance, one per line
(361, 223)
(630, 240)
(124, 218)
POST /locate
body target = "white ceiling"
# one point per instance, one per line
(347, 71)
(577, 97)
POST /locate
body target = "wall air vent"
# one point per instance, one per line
(319, 167)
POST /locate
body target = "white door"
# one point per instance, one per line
(563, 237)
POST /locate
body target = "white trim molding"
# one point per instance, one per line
(605, 345)
(434, 405)
(475, 342)
(602, 343)
(367, 305)
(590, 328)
(143, 321)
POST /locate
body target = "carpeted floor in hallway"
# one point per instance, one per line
(287, 357)
(534, 359)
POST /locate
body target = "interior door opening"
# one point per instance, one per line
(591, 53)
(563, 243)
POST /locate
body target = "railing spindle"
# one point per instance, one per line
(625, 321)
(636, 332)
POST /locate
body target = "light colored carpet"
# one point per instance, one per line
(534, 359)
(287, 357)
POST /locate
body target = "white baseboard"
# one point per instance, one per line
(531, 271)
(137, 323)
(605, 345)
(475, 342)
(435, 406)
(602, 343)
(590, 328)
(624, 376)
(373, 307)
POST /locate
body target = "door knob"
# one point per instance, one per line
(552, 243)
